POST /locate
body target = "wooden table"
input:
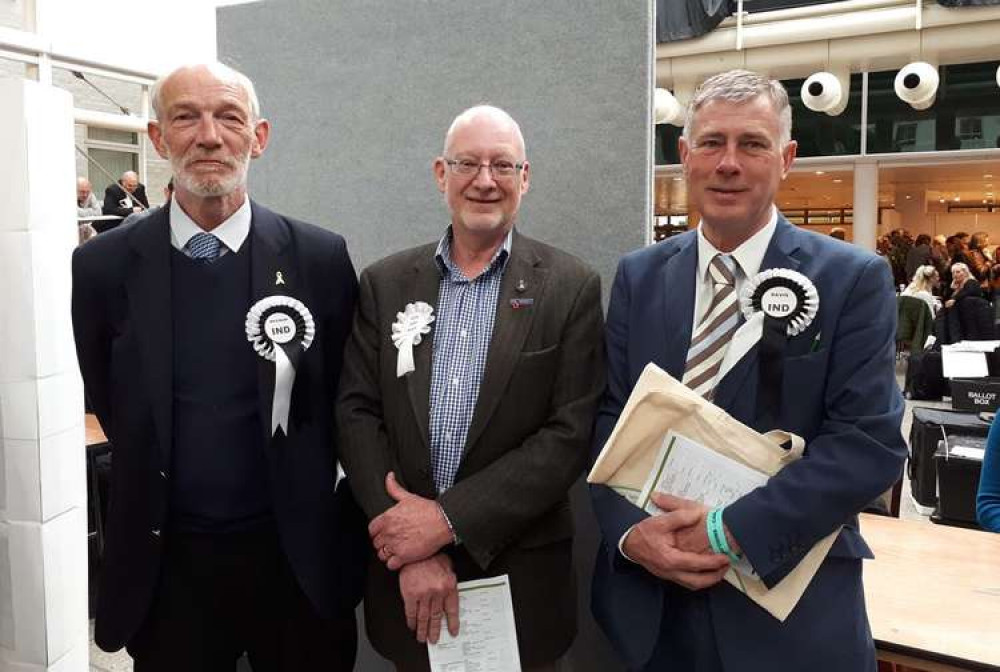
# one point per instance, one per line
(97, 445)
(933, 594)
(95, 435)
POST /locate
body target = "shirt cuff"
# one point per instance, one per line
(451, 528)
(621, 545)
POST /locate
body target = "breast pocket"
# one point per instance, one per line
(533, 379)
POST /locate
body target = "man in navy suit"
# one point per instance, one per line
(658, 590)
(227, 531)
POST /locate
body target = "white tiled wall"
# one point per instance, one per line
(43, 527)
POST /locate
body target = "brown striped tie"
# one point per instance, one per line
(714, 331)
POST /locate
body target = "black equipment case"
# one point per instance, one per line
(929, 426)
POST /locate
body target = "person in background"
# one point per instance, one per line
(124, 197)
(963, 285)
(168, 192)
(988, 499)
(87, 204)
(918, 255)
(925, 280)
(979, 262)
(939, 256)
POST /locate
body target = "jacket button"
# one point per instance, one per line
(156, 531)
(163, 475)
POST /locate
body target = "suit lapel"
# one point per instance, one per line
(510, 329)
(738, 383)
(678, 306)
(149, 299)
(421, 283)
(269, 255)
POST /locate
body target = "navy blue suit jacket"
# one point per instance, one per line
(839, 393)
(122, 322)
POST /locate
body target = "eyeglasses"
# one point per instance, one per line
(498, 169)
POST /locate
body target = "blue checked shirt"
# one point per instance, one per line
(463, 327)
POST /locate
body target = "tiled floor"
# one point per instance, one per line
(107, 662)
(121, 662)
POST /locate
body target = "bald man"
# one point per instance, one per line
(463, 461)
(87, 204)
(229, 530)
(124, 197)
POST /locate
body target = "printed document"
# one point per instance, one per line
(685, 468)
(487, 639)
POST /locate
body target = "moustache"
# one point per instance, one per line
(227, 162)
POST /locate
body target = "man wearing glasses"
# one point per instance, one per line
(462, 456)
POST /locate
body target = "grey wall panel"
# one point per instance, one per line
(361, 92)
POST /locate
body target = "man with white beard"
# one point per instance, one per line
(210, 337)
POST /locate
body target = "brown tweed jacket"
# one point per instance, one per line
(527, 444)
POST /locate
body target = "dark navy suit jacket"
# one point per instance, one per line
(122, 322)
(839, 393)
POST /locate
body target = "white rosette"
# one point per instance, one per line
(280, 329)
(783, 294)
(407, 331)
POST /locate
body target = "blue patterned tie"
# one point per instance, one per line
(203, 247)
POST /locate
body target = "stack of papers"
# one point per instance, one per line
(967, 359)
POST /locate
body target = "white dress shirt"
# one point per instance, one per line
(749, 256)
(232, 232)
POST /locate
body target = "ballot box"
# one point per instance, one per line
(931, 425)
(975, 394)
(958, 462)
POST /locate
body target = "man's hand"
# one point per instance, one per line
(430, 591)
(412, 530)
(695, 537)
(669, 545)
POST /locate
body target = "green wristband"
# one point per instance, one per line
(717, 535)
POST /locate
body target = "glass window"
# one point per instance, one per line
(819, 134)
(753, 6)
(964, 114)
(112, 135)
(114, 164)
(666, 144)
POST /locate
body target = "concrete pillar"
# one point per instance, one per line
(43, 521)
(866, 204)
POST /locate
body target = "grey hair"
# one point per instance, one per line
(960, 266)
(742, 86)
(220, 70)
(478, 110)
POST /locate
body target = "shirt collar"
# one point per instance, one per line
(749, 255)
(447, 267)
(232, 232)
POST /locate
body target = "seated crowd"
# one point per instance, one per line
(955, 276)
